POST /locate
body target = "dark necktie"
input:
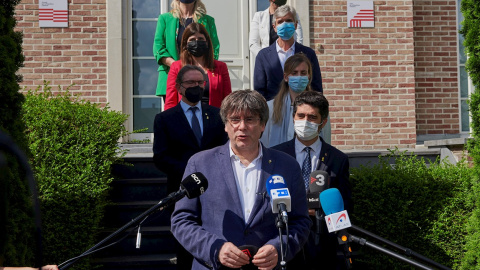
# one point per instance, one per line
(196, 125)
(307, 168)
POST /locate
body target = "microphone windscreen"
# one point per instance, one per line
(194, 185)
(275, 182)
(319, 181)
(331, 201)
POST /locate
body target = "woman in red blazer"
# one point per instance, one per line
(197, 50)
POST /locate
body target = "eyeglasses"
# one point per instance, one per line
(249, 121)
(192, 83)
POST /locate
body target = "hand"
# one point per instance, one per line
(266, 258)
(49, 267)
(168, 61)
(311, 212)
(232, 257)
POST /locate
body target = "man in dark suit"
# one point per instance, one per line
(184, 130)
(235, 210)
(268, 72)
(310, 112)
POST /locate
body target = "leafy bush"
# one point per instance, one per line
(74, 144)
(471, 31)
(417, 205)
(16, 219)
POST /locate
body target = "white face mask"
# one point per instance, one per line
(306, 130)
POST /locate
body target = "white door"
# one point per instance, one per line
(232, 22)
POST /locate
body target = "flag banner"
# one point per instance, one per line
(53, 13)
(360, 14)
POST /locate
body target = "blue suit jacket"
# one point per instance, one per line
(202, 225)
(334, 162)
(174, 142)
(268, 73)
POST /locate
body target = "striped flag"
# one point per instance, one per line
(53, 13)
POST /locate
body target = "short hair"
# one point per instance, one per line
(314, 99)
(282, 11)
(186, 69)
(244, 101)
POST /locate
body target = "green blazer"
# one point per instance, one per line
(165, 44)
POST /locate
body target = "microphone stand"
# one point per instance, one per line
(406, 251)
(172, 197)
(364, 242)
(280, 225)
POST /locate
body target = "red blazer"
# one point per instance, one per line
(220, 85)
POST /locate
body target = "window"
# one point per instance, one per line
(142, 24)
(465, 84)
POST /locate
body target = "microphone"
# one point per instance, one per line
(192, 186)
(337, 220)
(332, 203)
(281, 201)
(319, 181)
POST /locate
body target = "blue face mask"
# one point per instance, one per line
(286, 30)
(298, 83)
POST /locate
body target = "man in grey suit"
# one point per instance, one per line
(235, 209)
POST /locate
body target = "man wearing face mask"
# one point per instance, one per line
(182, 131)
(269, 63)
(262, 34)
(310, 112)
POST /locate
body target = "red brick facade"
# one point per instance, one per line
(66, 56)
(368, 74)
(436, 67)
(386, 84)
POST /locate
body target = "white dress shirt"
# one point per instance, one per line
(284, 55)
(247, 179)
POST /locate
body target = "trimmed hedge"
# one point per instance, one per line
(74, 144)
(424, 207)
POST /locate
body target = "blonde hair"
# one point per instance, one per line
(199, 8)
(291, 63)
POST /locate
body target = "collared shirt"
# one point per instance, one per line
(314, 153)
(188, 113)
(284, 55)
(247, 179)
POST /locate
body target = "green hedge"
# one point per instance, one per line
(421, 206)
(74, 144)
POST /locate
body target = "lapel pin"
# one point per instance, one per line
(269, 161)
(323, 159)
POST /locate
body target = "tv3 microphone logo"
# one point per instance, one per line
(319, 179)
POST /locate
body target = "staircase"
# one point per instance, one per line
(138, 187)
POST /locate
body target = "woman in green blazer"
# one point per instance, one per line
(165, 48)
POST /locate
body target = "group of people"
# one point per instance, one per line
(239, 139)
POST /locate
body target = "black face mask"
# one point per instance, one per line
(197, 47)
(187, 1)
(194, 94)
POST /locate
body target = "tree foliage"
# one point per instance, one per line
(471, 32)
(16, 224)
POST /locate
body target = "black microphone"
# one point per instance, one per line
(319, 181)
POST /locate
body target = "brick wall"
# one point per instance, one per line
(436, 83)
(65, 56)
(368, 74)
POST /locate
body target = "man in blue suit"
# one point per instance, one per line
(235, 210)
(310, 112)
(269, 63)
(184, 130)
